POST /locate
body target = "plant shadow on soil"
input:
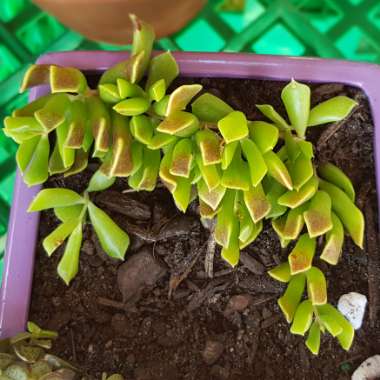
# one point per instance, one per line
(228, 327)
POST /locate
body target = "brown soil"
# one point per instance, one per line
(203, 331)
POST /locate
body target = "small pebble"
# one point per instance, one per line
(212, 352)
(368, 370)
(237, 303)
(352, 306)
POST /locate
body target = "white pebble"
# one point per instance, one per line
(368, 370)
(352, 306)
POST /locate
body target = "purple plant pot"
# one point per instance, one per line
(23, 227)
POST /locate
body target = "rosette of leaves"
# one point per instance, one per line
(72, 210)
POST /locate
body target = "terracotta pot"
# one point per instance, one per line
(107, 20)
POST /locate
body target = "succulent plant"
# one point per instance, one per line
(242, 172)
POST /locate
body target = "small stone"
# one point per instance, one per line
(212, 352)
(368, 370)
(237, 303)
(352, 306)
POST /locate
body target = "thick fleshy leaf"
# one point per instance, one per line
(109, 93)
(51, 198)
(237, 175)
(273, 191)
(278, 170)
(264, 135)
(30, 108)
(37, 171)
(67, 213)
(296, 98)
(119, 161)
(99, 181)
(334, 175)
(301, 170)
(22, 128)
(182, 158)
(281, 272)
(274, 116)
(316, 286)
(146, 177)
(179, 123)
(157, 90)
(294, 198)
(80, 163)
(246, 224)
(182, 193)
(306, 148)
(127, 89)
(67, 154)
(25, 152)
(318, 215)
(254, 233)
(228, 153)
(211, 198)
(346, 337)
(77, 125)
(210, 108)
(209, 144)
(292, 296)
(100, 124)
(160, 107)
(226, 223)
(205, 211)
(181, 97)
(233, 127)
(291, 144)
(290, 225)
(55, 162)
(142, 128)
(256, 163)
(161, 140)
(301, 257)
(54, 112)
(67, 79)
(331, 324)
(334, 242)
(210, 173)
(35, 76)
(132, 106)
(313, 340)
(169, 179)
(162, 66)
(302, 318)
(351, 217)
(112, 238)
(69, 264)
(256, 202)
(331, 110)
(231, 253)
(59, 235)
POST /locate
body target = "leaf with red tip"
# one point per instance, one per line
(233, 127)
(182, 158)
(205, 211)
(209, 144)
(316, 286)
(77, 125)
(210, 108)
(226, 223)
(281, 272)
(278, 170)
(67, 79)
(294, 198)
(301, 257)
(264, 135)
(164, 172)
(289, 226)
(179, 123)
(210, 173)
(256, 202)
(256, 163)
(211, 198)
(162, 66)
(181, 97)
(289, 301)
(35, 75)
(334, 242)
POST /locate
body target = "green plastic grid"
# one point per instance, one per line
(326, 28)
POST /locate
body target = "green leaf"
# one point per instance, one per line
(249, 230)
(127, 89)
(182, 193)
(67, 213)
(30, 108)
(256, 163)
(182, 158)
(99, 182)
(209, 144)
(274, 116)
(210, 108)
(318, 215)
(132, 106)
(296, 98)
(55, 162)
(210, 173)
(331, 324)
(161, 140)
(226, 223)
(331, 110)
(289, 301)
(59, 235)
(67, 79)
(167, 178)
(142, 128)
(264, 135)
(233, 127)
(294, 198)
(39, 333)
(67, 154)
(302, 318)
(316, 286)
(301, 170)
(181, 97)
(237, 175)
(22, 128)
(69, 263)
(289, 226)
(231, 253)
(179, 123)
(160, 107)
(301, 257)
(51, 198)
(273, 191)
(35, 76)
(162, 66)
(37, 171)
(313, 340)
(256, 202)
(205, 211)
(277, 169)
(281, 272)
(306, 148)
(211, 198)
(109, 93)
(25, 153)
(112, 238)
(291, 144)
(80, 163)
(77, 125)
(351, 217)
(228, 154)
(334, 175)
(334, 242)
(157, 90)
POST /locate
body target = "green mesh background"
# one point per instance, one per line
(327, 28)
